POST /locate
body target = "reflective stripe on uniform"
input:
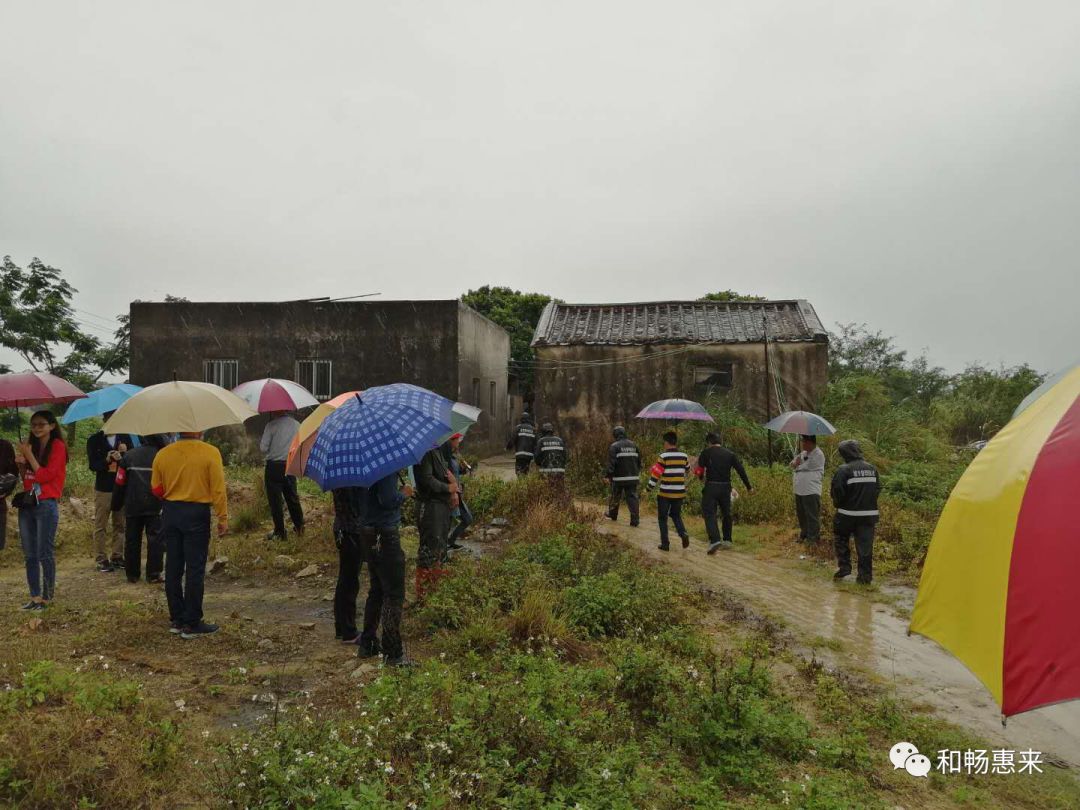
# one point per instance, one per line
(857, 513)
(624, 479)
(523, 454)
(552, 469)
(868, 480)
(627, 454)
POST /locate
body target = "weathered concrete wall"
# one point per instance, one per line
(483, 359)
(575, 396)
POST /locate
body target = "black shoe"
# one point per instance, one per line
(200, 629)
(841, 573)
(104, 566)
(611, 516)
(117, 563)
(864, 580)
(353, 639)
(686, 541)
(275, 536)
(30, 606)
(366, 649)
(454, 546)
(133, 580)
(401, 661)
(664, 547)
(715, 547)
(176, 627)
(634, 524)
(37, 606)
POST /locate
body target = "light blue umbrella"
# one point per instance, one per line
(802, 422)
(378, 432)
(100, 402)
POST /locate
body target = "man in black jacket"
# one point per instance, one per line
(523, 443)
(349, 507)
(854, 490)
(437, 492)
(714, 467)
(623, 475)
(551, 454)
(142, 510)
(103, 454)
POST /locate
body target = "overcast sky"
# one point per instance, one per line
(912, 165)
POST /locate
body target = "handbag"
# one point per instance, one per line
(27, 499)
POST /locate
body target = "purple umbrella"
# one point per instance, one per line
(675, 410)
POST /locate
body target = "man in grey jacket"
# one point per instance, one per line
(809, 467)
(276, 440)
(437, 492)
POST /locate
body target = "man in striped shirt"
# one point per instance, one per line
(669, 474)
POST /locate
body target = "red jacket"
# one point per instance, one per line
(49, 476)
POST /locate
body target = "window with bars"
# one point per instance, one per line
(713, 378)
(317, 376)
(225, 373)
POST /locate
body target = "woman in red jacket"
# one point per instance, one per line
(43, 460)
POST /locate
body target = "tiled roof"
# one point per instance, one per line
(676, 322)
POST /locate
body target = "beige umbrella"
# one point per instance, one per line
(178, 407)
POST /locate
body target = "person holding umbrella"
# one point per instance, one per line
(809, 470)
(103, 455)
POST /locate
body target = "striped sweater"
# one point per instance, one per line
(669, 472)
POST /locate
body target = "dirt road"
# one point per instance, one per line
(871, 636)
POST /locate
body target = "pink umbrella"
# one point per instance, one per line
(35, 387)
(275, 395)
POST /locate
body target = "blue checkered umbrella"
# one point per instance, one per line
(378, 432)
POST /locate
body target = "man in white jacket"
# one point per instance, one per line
(809, 466)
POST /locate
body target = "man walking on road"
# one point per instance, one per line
(809, 467)
(623, 475)
(523, 443)
(669, 473)
(714, 467)
(275, 443)
(189, 476)
(855, 488)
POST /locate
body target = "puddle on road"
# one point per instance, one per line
(875, 639)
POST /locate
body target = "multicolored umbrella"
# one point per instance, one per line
(178, 407)
(802, 422)
(675, 410)
(271, 394)
(378, 432)
(1000, 587)
(1047, 384)
(304, 439)
(462, 417)
(100, 402)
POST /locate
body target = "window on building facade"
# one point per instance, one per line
(317, 376)
(713, 378)
(225, 373)
(493, 402)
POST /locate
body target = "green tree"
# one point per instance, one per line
(731, 295)
(37, 322)
(516, 312)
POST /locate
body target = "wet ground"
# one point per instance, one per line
(871, 636)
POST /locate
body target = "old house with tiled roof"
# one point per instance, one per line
(602, 362)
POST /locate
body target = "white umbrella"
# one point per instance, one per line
(178, 407)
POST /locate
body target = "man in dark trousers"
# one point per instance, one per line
(349, 507)
(103, 454)
(551, 455)
(190, 477)
(9, 472)
(381, 544)
(133, 494)
(275, 443)
(854, 490)
(523, 443)
(623, 475)
(809, 467)
(437, 490)
(714, 467)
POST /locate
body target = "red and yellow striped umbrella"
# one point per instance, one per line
(1001, 585)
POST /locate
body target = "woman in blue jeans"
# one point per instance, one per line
(43, 462)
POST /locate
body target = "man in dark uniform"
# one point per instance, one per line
(854, 490)
(623, 475)
(714, 467)
(142, 510)
(523, 443)
(551, 459)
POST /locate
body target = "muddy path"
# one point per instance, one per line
(868, 635)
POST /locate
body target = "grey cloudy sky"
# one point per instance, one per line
(912, 165)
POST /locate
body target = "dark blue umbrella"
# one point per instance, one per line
(378, 432)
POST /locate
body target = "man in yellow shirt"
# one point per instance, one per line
(190, 477)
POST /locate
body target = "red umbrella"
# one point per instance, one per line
(34, 387)
(275, 395)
